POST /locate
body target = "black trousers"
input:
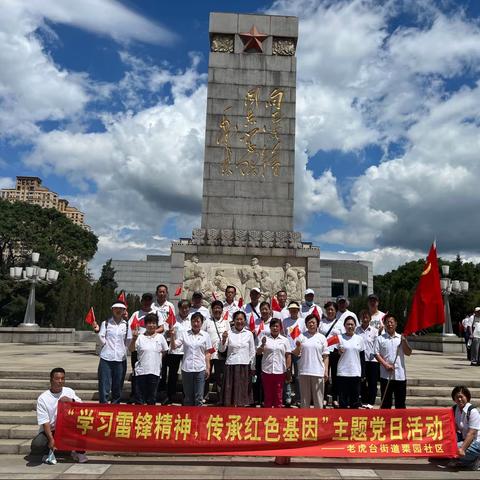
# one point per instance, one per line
(146, 389)
(257, 386)
(39, 445)
(370, 386)
(396, 388)
(349, 392)
(168, 381)
(333, 363)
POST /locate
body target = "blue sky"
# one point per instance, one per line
(105, 101)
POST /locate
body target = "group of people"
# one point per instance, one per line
(470, 327)
(258, 354)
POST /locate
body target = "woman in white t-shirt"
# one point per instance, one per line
(197, 348)
(467, 423)
(150, 347)
(312, 350)
(351, 365)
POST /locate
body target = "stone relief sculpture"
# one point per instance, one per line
(213, 278)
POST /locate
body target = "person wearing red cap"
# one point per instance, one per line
(114, 336)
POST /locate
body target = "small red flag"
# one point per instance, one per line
(427, 305)
(295, 332)
(123, 298)
(316, 313)
(275, 305)
(261, 328)
(333, 340)
(225, 315)
(90, 318)
(211, 350)
(240, 302)
(171, 320)
(178, 291)
(251, 323)
(135, 323)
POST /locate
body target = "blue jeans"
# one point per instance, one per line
(110, 379)
(146, 391)
(193, 385)
(472, 453)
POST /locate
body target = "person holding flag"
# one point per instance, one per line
(292, 327)
(134, 322)
(115, 337)
(230, 305)
(239, 345)
(253, 308)
(197, 348)
(169, 377)
(263, 329)
(276, 364)
(161, 306)
(279, 306)
(150, 347)
(390, 350)
(309, 306)
(312, 352)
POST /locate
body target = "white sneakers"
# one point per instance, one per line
(79, 457)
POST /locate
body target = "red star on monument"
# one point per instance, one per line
(253, 39)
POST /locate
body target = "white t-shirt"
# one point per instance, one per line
(387, 347)
(464, 425)
(195, 346)
(347, 313)
(181, 324)
(349, 364)
(288, 326)
(369, 338)
(377, 320)
(476, 327)
(204, 311)
(307, 309)
(215, 329)
(140, 315)
(312, 350)
(325, 326)
(284, 313)
(47, 406)
(150, 349)
(273, 360)
(162, 311)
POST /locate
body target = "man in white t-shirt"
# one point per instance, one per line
(47, 415)
(309, 305)
(343, 312)
(162, 306)
(375, 314)
(230, 305)
(282, 302)
(475, 336)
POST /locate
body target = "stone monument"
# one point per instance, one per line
(246, 237)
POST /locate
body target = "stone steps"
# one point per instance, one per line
(20, 390)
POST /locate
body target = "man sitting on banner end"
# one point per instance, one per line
(44, 443)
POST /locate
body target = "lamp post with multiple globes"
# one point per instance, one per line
(34, 275)
(450, 287)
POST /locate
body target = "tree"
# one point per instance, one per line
(107, 277)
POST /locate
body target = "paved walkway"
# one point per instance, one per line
(166, 467)
(81, 358)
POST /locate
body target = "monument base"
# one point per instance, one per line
(36, 335)
(438, 343)
(209, 268)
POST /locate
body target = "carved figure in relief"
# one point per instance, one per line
(219, 284)
(290, 280)
(250, 276)
(267, 286)
(302, 283)
(194, 275)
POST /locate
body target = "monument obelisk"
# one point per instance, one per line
(246, 236)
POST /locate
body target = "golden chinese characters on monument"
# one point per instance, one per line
(253, 159)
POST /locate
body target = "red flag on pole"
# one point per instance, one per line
(261, 328)
(295, 332)
(333, 340)
(275, 305)
(251, 323)
(427, 306)
(90, 318)
(171, 320)
(122, 298)
(240, 302)
(316, 313)
(178, 291)
(135, 323)
(225, 315)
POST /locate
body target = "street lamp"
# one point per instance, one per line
(450, 287)
(34, 275)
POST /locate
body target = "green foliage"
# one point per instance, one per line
(107, 277)
(396, 289)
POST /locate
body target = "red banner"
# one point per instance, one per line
(415, 432)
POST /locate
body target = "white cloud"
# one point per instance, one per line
(7, 182)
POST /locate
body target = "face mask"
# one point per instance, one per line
(309, 303)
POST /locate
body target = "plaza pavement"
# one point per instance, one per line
(450, 368)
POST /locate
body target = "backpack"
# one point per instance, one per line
(469, 411)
